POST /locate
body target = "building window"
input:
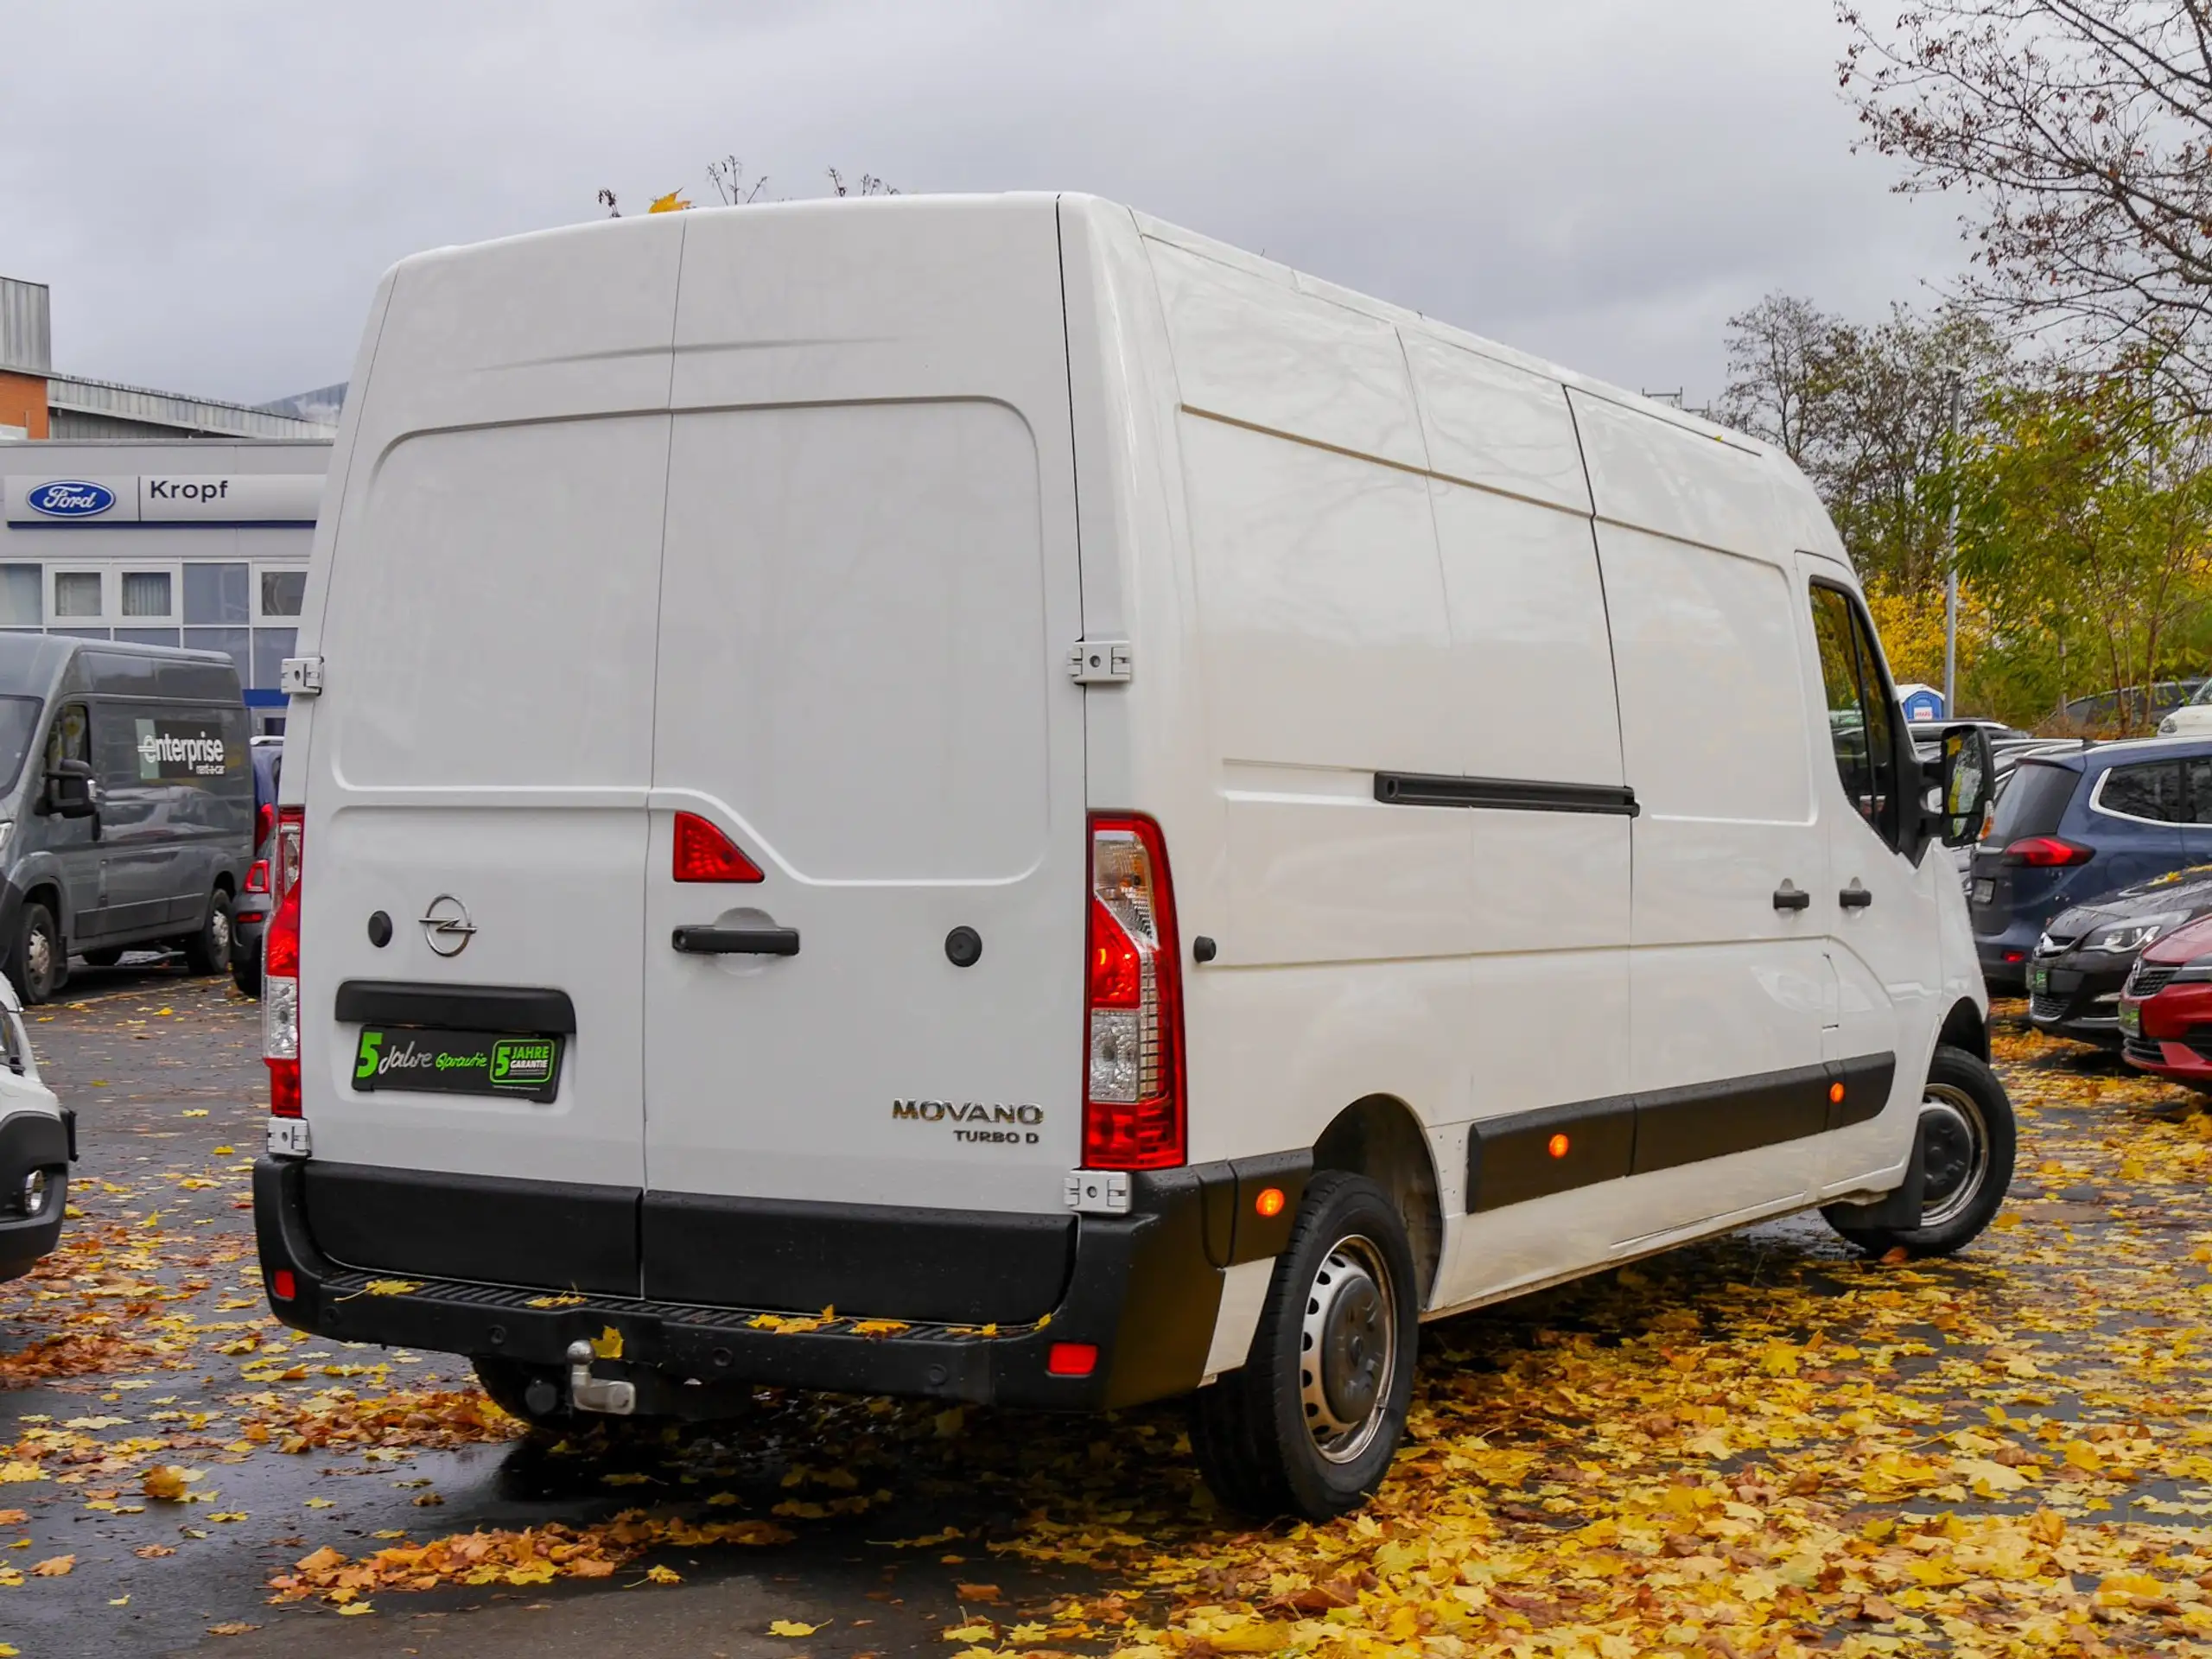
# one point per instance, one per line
(270, 647)
(76, 594)
(217, 594)
(19, 596)
(146, 636)
(236, 642)
(146, 592)
(282, 593)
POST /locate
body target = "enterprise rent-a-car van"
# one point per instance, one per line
(1129, 820)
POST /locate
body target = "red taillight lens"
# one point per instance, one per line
(265, 820)
(1072, 1358)
(2048, 852)
(257, 876)
(282, 1286)
(280, 968)
(704, 853)
(1133, 1113)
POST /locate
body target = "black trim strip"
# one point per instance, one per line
(530, 1010)
(1504, 794)
(1511, 1160)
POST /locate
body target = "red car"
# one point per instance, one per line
(2165, 1008)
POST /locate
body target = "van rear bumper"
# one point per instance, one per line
(30, 1142)
(1142, 1290)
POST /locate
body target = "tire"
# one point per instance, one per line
(1972, 1141)
(106, 956)
(1310, 1424)
(208, 950)
(245, 972)
(38, 962)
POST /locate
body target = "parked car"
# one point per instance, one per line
(2134, 703)
(2075, 825)
(2166, 1010)
(1927, 734)
(124, 780)
(2193, 718)
(252, 914)
(38, 1142)
(755, 893)
(2084, 955)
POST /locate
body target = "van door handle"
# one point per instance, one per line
(1854, 897)
(1791, 897)
(736, 941)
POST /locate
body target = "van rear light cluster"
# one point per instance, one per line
(1133, 1108)
(280, 966)
(2048, 853)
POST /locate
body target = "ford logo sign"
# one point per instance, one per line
(71, 499)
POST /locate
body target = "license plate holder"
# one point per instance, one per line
(422, 1060)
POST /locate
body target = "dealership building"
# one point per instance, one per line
(138, 515)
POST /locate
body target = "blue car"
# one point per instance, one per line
(2070, 827)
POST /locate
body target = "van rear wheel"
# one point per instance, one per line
(37, 965)
(1310, 1424)
(208, 951)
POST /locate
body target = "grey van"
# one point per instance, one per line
(126, 804)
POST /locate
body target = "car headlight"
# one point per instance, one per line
(2134, 935)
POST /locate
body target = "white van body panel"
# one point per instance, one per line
(1477, 703)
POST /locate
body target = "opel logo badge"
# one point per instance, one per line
(446, 926)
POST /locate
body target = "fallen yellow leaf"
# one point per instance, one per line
(792, 1627)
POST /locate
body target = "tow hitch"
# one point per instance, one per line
(589, 1393)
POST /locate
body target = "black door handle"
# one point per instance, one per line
(736, 941)
(1854, 898)
(1789, 898)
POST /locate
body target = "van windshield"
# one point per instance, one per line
(18, 729)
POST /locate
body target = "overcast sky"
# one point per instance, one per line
(212, 191)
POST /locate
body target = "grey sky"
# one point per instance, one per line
(211, 191)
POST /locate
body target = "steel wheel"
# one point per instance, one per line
(1348, 1349)
(38, 957)
(1958, 1152)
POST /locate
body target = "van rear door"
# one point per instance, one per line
(869, 593)
(477, 767)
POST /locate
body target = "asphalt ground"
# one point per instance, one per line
(178, 1473)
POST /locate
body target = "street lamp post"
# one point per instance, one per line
(1951, 570)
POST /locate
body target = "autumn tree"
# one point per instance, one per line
(2080, 132)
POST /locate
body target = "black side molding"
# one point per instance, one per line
(1533, 1155)
(530, 1010)
(1504, 794)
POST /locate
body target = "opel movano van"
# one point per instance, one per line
(126, 808)
(987, 799)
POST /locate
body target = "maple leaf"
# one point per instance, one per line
(792, 1627)
(673, 202)
(54, 1566)
(664, 1575)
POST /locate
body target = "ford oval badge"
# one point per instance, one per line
(71, 499)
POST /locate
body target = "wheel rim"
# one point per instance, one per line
(1956, 1161)
(38, 957)
(1348, 1351)
(219, 934)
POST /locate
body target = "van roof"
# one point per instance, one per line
(35, 663)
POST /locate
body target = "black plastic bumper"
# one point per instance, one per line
(1143, 1289)
(29, 1142)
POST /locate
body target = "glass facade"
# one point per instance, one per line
(247, 610)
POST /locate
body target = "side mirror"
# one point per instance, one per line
(1967, 778)
(69, 789)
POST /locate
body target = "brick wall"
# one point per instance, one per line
(22, 401)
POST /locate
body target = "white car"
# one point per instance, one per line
(38, 1142)
(2193, 718)
(985, 798)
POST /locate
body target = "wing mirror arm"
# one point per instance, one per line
(72, 792)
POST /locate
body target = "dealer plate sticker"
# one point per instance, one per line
(457, 1062)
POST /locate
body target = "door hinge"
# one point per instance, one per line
(301, 677)
(1100, 662)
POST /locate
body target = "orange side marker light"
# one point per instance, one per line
(1269, 1201)
(1557, 1145)
(1835, 1093)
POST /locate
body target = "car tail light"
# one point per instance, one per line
(704, 853)
(265, 820)
(2048, 853)
(1133, 1108)
(1071, 1359)
(257, 876)
(280, 968)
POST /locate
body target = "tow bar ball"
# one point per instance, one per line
(32, 1197)
(589, 1393)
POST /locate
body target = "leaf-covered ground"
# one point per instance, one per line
(1761, 1446)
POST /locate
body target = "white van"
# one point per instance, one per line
(988, 798)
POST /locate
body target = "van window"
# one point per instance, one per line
(2033, 802)
(18, 726)
(70, 738)
(2152, 791)
(1861, 723)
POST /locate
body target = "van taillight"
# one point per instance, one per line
(1133, 1108)
(280, 966)
(265, 820)
(257, 876)
(704, 853)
